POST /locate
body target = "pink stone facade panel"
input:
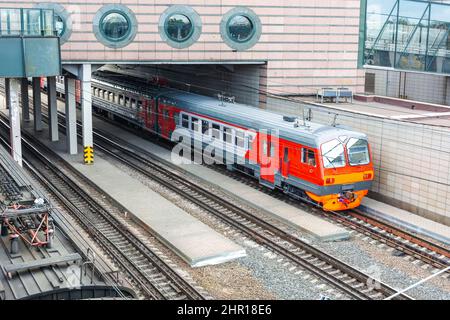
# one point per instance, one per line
(305, 43)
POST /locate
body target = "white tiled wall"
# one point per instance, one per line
(412, 162)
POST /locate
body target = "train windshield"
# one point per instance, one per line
(333, 154)
(358, 152)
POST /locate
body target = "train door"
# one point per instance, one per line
(154, 116)
(309, 164)
(267, 159)
(285, 162)
(164, 121)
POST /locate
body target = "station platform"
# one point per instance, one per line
(191, 239)
(406, 220)
(292, 216)
(391, 108)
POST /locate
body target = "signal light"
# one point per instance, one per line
(329, 180)
(367, 176)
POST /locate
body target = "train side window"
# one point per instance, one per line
(286, 155)
(227, 134)
(216, 131)
(239, 139)
(205, 127)
(272, 150)
(308, 157)
(139, 105)
(185, 121)
(264, 147)
(250, 138)
(194, 124)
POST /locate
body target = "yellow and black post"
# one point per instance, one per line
(88, 155)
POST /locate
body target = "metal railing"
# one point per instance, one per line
(27, 22)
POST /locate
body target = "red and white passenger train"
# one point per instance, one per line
(329, 164)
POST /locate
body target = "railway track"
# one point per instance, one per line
(151, 276)
(413, 245)
(347, 279)
(338, 274)
(428, 252)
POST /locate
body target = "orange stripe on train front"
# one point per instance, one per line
(348, 178)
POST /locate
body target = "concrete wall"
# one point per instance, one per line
(240, 81)
(307, 44)
(416, 86)
(412, 162)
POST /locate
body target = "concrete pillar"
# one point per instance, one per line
(14, 120)
(37, 112)
(52, 109)
(86, 112)
(71, 115)
(25, 101)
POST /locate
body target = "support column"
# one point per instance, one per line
(71, 115)
(14, 119)
(7, 88)
(37, 112)
(86, 113)
(52, 109)
(25, 101)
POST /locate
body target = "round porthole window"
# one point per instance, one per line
(59, 25)
(63, 21)
(180, 26)
(115, 25)
(240, 28)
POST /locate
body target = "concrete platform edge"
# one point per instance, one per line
(335, 237)
(403, 224)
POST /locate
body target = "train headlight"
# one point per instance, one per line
(367, 176)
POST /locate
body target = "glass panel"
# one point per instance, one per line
(412, 35)
(178, 27)
(205, 127)
(216, 131)
(11, 21)
(185, 121)
(60, 25)
(114, 26)
(438, 55)
(308, 157)
(240, 28)
(408, 35)
(239, 139)
(194, 124)
(48, 22)
(333, 154)
(227, 134)
(32, 22)
(380, 32)
(358, 151)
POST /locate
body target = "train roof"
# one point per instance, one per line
(307, 133)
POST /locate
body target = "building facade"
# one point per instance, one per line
(295, 47)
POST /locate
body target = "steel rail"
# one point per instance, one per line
(179, 185)
(139, 276)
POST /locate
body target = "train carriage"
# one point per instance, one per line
(330, 165)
